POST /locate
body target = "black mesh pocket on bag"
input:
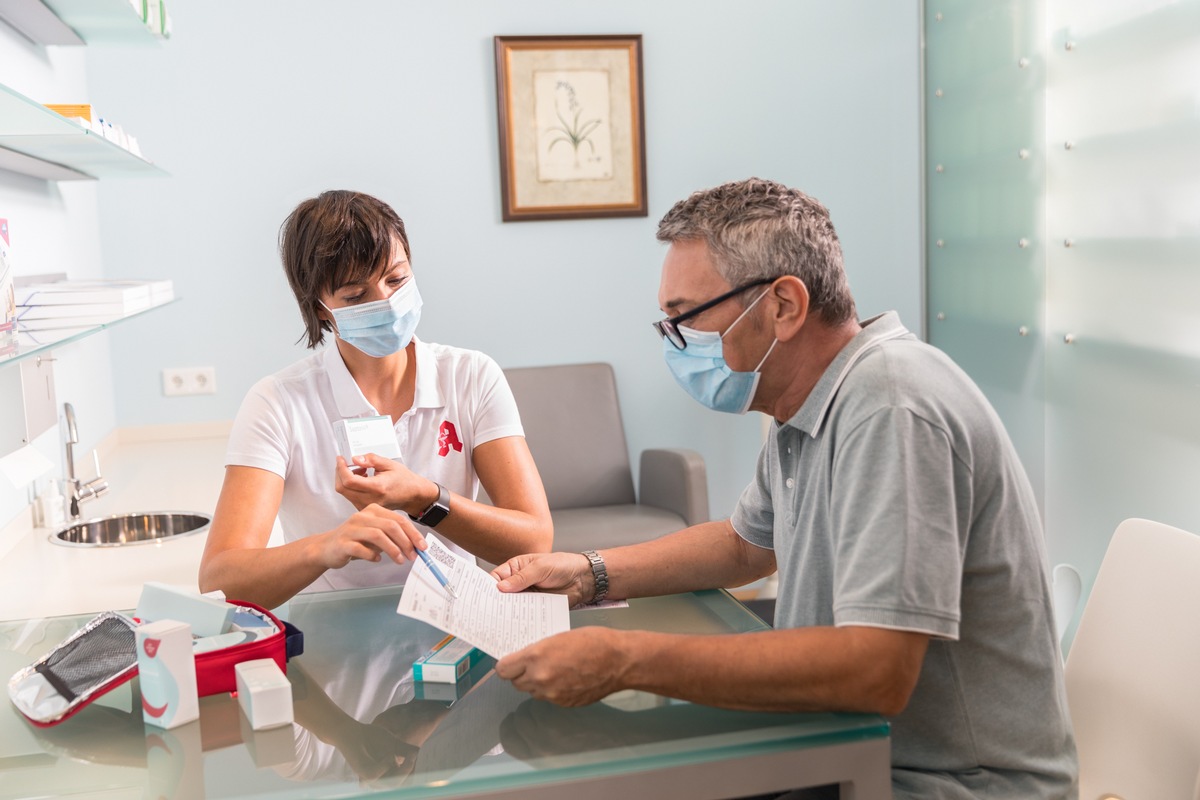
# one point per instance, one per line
(87, 662)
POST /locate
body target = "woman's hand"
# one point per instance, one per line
(392, 486)
(370, 534)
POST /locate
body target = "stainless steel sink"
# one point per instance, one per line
(120, 530)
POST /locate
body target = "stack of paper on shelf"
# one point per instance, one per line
(73, 304)
(79, 111)
(8, 306)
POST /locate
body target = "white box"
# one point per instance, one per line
(167, 673)
(362, 435)
(264, 693)
(206, 615)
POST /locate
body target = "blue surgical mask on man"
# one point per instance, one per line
(383, 327)
(701, 370)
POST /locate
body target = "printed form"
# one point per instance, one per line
(495, 622)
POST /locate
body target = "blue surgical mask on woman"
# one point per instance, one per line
(701, 370)
(383, 327)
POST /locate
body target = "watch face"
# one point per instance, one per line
(433, 515)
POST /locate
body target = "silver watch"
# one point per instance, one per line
(600, 573)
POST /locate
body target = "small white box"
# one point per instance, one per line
(264, 693)
(167, 673)
(362, 435)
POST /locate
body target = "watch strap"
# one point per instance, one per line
(437, 510)
(600, 573)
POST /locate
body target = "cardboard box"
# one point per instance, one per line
(167, 673)
(362, 435)
(206, 616)
(449, 660)
(264, 693)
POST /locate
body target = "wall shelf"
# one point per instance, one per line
(37, 141)
(77, 22)
(31, 344)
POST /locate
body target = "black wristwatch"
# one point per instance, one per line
(437, 510)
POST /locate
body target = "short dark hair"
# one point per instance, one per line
(336, 238)
(762, 229)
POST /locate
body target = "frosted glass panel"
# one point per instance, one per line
(984, 73)
(1123, 190)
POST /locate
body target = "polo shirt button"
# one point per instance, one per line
(789, 483)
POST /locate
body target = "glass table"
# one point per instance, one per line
(364, 729)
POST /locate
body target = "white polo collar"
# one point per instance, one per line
(352, 403)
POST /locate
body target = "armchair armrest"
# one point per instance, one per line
(675, 480)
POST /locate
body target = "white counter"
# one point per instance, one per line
(166, 468)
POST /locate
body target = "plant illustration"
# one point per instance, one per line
(577, 131)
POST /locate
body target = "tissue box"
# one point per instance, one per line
(264, 693)
(449, 660)
(167, 673)
(362, 435)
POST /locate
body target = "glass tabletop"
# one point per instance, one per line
(363, 727)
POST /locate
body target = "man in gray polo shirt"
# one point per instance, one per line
(912, 571)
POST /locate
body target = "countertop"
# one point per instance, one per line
(166, 468)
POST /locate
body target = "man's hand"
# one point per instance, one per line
(392, 486)
(561, 573)
(570, 669)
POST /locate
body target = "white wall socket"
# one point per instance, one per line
(179, 381)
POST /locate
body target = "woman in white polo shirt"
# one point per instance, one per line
(346, 256)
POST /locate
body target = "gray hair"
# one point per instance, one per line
(762, 229)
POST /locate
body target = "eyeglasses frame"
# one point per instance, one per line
(669, 328)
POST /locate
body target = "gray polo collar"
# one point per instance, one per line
(874, 331)
(350, 399)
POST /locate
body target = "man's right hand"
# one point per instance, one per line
(561, 573)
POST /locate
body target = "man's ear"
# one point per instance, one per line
(791, 306)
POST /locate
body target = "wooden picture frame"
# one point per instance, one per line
(572, 133)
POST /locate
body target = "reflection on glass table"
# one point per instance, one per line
(362, 726)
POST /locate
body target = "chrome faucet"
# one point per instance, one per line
(79, 491)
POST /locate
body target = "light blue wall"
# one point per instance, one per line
(254, 106)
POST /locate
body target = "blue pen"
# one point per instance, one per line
(437, 573)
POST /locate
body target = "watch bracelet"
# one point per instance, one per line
(599, 576)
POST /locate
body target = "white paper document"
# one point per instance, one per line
(495, 622)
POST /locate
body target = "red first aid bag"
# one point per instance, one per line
(102, 655)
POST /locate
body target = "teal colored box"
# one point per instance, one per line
(449, 660)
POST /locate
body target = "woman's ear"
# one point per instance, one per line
(791, 306)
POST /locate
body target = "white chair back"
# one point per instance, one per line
(1133, 673)
(1067, 588)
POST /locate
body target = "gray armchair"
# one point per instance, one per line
(573, 426)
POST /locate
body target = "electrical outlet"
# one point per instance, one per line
(180, 381)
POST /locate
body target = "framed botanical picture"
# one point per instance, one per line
(572, 135)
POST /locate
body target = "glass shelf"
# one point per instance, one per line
(37, 141)
(104, 22)
(30, 344)
(78, 22)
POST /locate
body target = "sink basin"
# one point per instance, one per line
(120, 530)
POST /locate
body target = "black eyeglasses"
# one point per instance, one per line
(669, 327)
